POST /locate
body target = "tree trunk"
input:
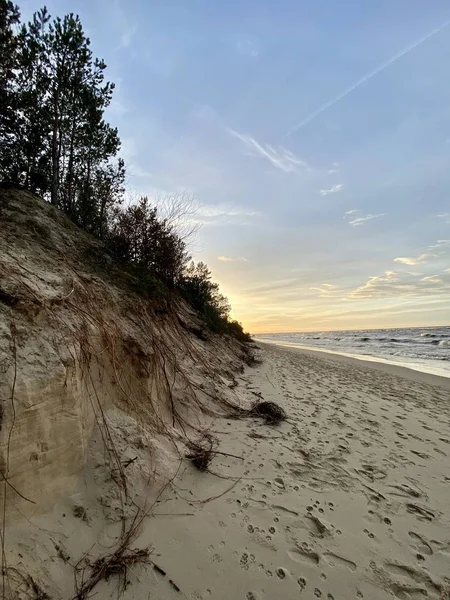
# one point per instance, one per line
(55, 153)
(70, 168)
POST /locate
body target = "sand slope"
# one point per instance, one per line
(349, 499)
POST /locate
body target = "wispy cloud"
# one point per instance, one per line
(440, 245)
(357, 217)
(400, 285)
(445, 217)
(365, 78)
(280, 158)
(224, 214)
(117, 108)
(127, 36)
(333, 169)
(231, 259)
(326, 289)
(248, 48)
(334, 189)
(411, 260)
(224, 210)
(439, 248)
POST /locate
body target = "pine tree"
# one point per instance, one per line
(33, 126)
(54, 138)
(9, 18)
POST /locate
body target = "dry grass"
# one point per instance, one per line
(116, 564)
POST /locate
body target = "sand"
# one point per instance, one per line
(350, 498)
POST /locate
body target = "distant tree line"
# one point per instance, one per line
(55, 141)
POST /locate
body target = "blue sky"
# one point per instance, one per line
(315, 136)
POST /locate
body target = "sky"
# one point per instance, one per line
(315, 137)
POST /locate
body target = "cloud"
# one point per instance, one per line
(365, 78)
(326, 289)
(440, 245)
(230, 259)
(410, 260)
(356, 217)
(117, 108)
(334, 189)
(445, 217)
(128, 151)
(221, 210)
(280, 158)
(224, 214)
(401, 285)
(433, 279)
(439, 248)
(127, 36)
(247, 48)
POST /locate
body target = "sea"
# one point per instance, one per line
(425, 349)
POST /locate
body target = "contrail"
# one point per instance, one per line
(366, 77)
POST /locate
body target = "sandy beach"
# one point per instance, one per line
(347, 499)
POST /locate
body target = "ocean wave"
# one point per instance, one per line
(426, 346)
(393, 340)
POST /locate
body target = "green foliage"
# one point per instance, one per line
(9, 19)
(140, 237)
(204, 295)
(235, 329)
(55, 141)
(58, 143)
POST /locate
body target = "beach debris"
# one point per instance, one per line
(117, 563)
(201, 453)
(164, 574)
(271, 412)
(28, 586)
(80, 513)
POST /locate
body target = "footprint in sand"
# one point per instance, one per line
(404, 490)
(420, 512)
(304, 556)
(278, 481)
(420, 454)
(423, 546)
(340, 561)
(301, 582)
(244, 561)
(372, 472)
(416, 575)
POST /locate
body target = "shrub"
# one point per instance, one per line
(140, 237)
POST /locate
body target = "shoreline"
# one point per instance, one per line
(374, 362)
